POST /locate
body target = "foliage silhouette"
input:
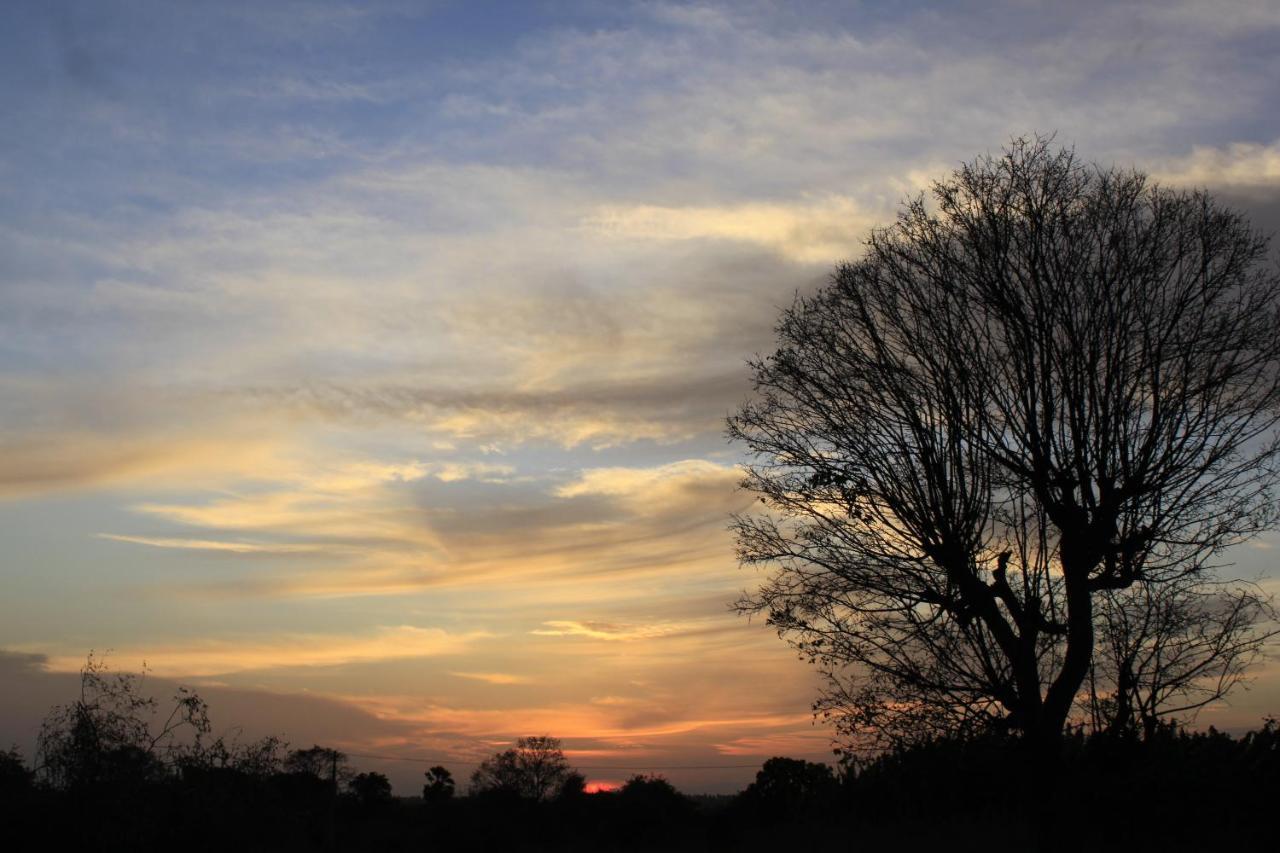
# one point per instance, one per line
(535, 769)
(440, 785)
(573, 787)
(944, 792)
(370, 790)
(322, 763)
(17, 781)
(106, 737)
(787, 786)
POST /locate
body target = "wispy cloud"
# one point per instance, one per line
(602, 630)
(215, 545)
(814, 232)
(498, 678)
(1239, 166)
(222, 656)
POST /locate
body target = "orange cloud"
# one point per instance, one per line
(219, 657)
(76, 460)
(602, 630)
(494, 677)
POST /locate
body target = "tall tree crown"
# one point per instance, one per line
(1046, 382)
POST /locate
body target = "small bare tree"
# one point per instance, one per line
(1168, 650)
(113, 733)
(1048, 386)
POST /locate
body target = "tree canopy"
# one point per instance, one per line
(534, 769)
(1046, 395)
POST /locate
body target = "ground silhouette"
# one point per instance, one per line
(1190, 789)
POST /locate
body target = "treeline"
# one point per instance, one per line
(112, 772)
(1175, 791)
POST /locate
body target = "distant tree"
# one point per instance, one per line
(535, 769)
(255, 758)
(440, 785)
(370, 789)
(113, 735)
(15, 777)
(1054, 385)
(573, 787)
(652, 810)
(789, 785)
(321, 762)
(654, 789)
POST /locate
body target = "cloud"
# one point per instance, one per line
(586, 723)
(1240, 166)
(216, 545)
(651, 484)
(602, 630)
(1225, 19)
(809, 233)
(55, 461)
(357, 528)
(499, 678)
(222, 656)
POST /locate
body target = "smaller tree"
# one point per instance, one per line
(321, 762)
(259, 758)
(653, 812)
(789, 785)
(440, 785)
(110, 735)
(1167, 651)
(370, 789)
(16, 779)
(653, 790)
(572, 788)
(535, 769)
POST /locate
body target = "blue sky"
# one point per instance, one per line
(375, 356)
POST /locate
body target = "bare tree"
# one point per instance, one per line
(535, 769)
(1167, 650)
(113, 734)
(1046, 385)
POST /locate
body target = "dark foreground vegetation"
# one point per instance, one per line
(1173, 791)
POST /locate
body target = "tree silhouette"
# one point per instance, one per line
(16, 779)
(785, 786)
(1167, 650)
(573, 787)
(1053, 384)
(370, 789)
(321, 762)
(440, 785)
(535, 769)
(112, 735)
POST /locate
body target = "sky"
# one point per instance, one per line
(365, 365)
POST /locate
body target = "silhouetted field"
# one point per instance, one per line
(1174, 791)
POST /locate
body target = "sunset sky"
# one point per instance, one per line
(365, 365)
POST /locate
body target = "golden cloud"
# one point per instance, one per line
(219, 657)
(817, 231)
(501, 678)
(603, 630)
(216, 545)
(31, 464)
(1240, 165)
